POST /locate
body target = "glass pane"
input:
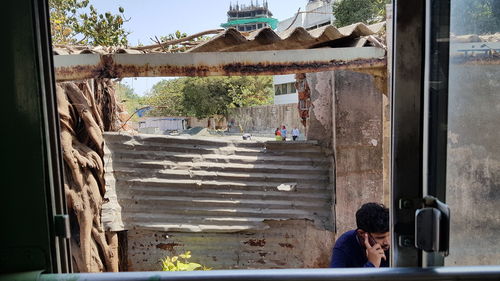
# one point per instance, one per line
(277, 90)
(473, 155)
(283, 89)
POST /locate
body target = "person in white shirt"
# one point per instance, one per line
(295, 133)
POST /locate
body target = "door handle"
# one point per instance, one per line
(432, 226)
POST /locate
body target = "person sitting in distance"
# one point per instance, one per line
(369, 244)
(246, 136)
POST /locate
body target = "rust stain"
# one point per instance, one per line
(108, 69)
(279, 262)
(167, 246)
(76, 73)
(322, 261)
(105, 69)
(286, 245)
(276, 68)
(256, 242)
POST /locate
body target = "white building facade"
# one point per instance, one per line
(317, 13)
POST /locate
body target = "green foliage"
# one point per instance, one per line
(72, 23)
(207, 96)
(251, 91)
(173, 36)
(175, 48)
(181, 263)
(352, 11)
(475, 17)
(167, 96)
(126, 96)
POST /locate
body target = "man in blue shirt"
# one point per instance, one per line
(368, 245)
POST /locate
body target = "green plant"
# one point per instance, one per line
(76, 22)
(181, 263)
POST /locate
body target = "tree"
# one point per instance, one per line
(352, 11)
(475, 17)
(250, 91)
(126, 96)
(167, 98)
(72, 23)
(207, 96)
(181, 46)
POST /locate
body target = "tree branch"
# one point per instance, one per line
(177, 41)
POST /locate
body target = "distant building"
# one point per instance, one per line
(284, 89)
(162, 125)
(248, 18)
(316, 14)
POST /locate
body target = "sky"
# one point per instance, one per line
(150, 18)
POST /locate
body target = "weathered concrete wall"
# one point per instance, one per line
(353, 126)
(266, 118)
(358, 145)
(285, 244)
(217, 122)
(473, 171)
(319, 124)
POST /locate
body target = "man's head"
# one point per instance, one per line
(373, 218)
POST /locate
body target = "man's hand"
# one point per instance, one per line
(374, 253)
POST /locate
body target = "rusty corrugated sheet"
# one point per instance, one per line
(266, 39)
(285, 244)
(231, 40)
(262, 52)
(190, 185)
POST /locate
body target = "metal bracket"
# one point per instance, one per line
(432, 226)
(61, 226)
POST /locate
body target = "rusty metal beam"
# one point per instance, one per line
(86, 66)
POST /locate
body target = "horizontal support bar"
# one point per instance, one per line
(86, 66)
(355, 274)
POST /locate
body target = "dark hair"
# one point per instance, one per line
(373, 218)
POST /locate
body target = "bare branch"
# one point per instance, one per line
(177, 41)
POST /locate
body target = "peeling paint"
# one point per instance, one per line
(285, 244)
(256, 242)
(287, 187)
(166, 246)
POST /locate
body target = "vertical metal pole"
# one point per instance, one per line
(57, 196)
(437, 38)
(33, 195)
(407, 101)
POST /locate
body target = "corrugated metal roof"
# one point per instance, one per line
(231, 40)
(266, 39)
(181, 184)
(472, 38)
(262, 52)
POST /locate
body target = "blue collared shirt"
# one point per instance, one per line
(348, 252)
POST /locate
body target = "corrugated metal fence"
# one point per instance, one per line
(160, 184)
